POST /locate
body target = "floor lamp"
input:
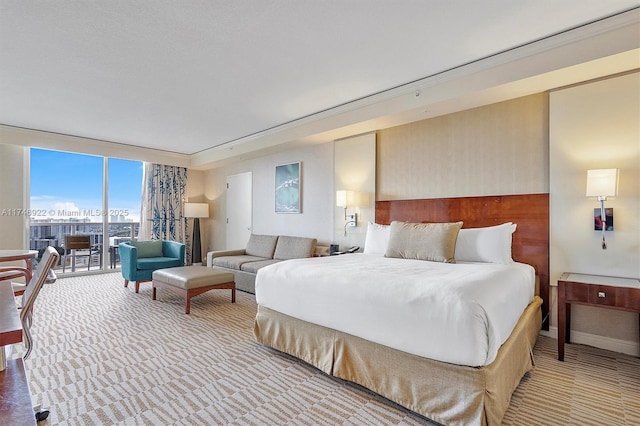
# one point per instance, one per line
(196, 211)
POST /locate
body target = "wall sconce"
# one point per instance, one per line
(196, 211)
(347, 199)
(602, 183)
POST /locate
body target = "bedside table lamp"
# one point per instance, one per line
(602, 183)
(196, 211)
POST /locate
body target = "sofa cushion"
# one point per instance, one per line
(158, 262)
(234, 262)
(254, 266)
(261, 245)
(148, 248)
(294, 247)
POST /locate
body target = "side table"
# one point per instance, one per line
(593, 290)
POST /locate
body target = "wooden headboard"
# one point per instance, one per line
(530, 211)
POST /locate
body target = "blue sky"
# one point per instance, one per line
(64, 182)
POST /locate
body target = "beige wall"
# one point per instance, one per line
(355, 170)
(350, 163)
(495, 149)
(596, 126)
(317, 195)
(13, 190)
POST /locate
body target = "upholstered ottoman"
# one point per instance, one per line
(189, 281)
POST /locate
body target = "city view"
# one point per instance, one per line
(74, 206)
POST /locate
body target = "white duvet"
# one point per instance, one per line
(458, 313)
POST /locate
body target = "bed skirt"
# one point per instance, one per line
(446, 393)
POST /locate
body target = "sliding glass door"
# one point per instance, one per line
(67, 203)
(124, 201)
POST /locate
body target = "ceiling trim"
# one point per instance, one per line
(602, 38)
(59, 142)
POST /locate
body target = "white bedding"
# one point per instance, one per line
(458, 313)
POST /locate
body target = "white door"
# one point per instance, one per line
(239, 207)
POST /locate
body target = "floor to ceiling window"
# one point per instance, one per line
(68, 207)
(124, 200)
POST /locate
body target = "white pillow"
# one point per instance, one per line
(377, 238)
(491, 244)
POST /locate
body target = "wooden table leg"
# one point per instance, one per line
(567, 335)
(562, 307)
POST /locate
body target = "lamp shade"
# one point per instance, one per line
(341, 198)
(602, 183)
(196, 210)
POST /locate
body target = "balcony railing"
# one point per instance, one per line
(104, 253)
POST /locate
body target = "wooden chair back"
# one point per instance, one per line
(77, 242)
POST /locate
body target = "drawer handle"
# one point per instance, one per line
(602, 294)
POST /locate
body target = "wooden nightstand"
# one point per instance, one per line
(593, 290)
(321, 251)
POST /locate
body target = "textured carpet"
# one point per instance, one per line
(104, 355)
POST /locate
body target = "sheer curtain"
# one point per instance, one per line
(163, 197)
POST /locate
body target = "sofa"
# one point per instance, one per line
(140, 258)
(261, 250)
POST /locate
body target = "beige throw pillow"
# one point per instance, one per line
(423, 241)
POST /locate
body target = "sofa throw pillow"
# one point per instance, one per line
(423, 241)
(491, 244)
(377, 238)
(261, 245)
(148, 248)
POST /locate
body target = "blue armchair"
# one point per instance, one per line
(140, 258)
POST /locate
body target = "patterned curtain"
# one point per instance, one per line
(163, 198)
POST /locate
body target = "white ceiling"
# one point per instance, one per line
(187, 76)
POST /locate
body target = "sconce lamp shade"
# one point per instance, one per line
(341, 198)
(351, 198)
(602, 183)
(196, 210)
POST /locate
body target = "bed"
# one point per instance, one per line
(350, 325)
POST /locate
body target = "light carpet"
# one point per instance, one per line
(104, 355)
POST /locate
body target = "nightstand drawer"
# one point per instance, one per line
(575, 292)
(628, 298)
(602, 295)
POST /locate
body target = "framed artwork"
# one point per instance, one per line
(288, 188)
